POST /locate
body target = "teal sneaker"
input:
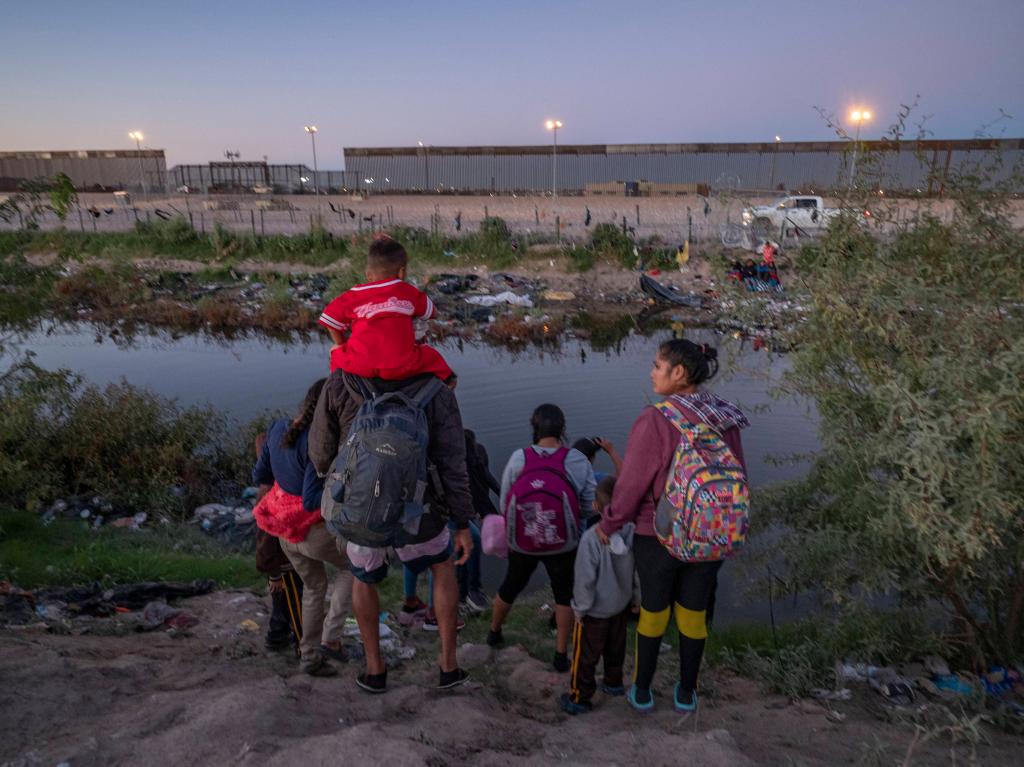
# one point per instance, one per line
(640, 699)
(681, 707)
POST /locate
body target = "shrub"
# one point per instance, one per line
(913, 350)
(135, 448)
(609, 241)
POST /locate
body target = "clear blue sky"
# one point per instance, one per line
(201, 77)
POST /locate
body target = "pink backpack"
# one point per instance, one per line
(494, 536)
(543, 510)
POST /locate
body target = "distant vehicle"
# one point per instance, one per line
(184, 189)
(262, 189)
(806, 212)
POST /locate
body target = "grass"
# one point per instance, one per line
(67, 552)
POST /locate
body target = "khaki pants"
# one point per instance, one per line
(308, 559)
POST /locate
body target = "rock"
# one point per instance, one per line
(473, 655)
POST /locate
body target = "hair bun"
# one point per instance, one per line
(709, 352)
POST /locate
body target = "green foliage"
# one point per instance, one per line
(23, 290)
(609, 241)
(135, 448)
(913, 350)
(67, 553)
(62, 195)
(495, 229)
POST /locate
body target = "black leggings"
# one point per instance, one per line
(668, 585)
(521, 567)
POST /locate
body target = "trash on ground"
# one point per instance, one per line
(507, 297)
(558, 295)
(660, 292)
(249, 625)
(842, 694)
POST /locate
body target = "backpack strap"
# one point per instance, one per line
(426, 393)
(366, 391)
(672, 413)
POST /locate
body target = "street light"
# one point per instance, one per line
(771, 180)
(137, 135)
(426, 169)
(553, 126)
(311, 130)
(859, 116)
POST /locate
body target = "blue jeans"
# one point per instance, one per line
(468, 575)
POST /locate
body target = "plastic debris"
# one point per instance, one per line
(506, 297)
(249, 625)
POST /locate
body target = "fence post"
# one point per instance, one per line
(486, 214)
(689, 225)
(202, 222)
(311, 223)
(623, 224)
(81, 221)
(558, 228)
(638, 215)
(536, 216)
(147, 217)
(252, 220)
(263, 230)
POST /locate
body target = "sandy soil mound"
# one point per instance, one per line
(212, 696)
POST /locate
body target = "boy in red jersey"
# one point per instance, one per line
(379, 314)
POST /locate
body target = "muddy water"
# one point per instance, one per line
(601, 393)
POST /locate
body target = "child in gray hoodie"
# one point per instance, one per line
(602, 593)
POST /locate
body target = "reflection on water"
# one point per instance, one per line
(601, 392)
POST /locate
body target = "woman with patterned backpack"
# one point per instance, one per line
(543, 488)
(684, 484)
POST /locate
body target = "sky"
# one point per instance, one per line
(199, 78)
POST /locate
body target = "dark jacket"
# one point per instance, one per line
(340, 400)
(290, 467)
(481, 481)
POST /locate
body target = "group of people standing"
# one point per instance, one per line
(605, 541)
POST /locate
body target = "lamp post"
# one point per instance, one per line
(771, 179)
(553, 126)
(859, 116)
(137, 135)
(426, 170)
(311, 130)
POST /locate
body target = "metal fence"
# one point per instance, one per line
(803, 166)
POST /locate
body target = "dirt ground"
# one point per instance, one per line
(214, 696)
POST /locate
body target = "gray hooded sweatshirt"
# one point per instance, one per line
(604, 574)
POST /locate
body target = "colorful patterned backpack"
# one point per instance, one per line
(704, 513)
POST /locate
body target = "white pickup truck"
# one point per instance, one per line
(797, 212)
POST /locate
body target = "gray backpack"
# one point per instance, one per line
(373, 494)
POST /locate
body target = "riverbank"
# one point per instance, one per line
(210, 694)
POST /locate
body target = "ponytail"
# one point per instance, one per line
(699, 360)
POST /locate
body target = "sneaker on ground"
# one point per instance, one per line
(277, 643)
(430, 622)
(340, 655)
(477, 601)
(318, 667)
(612, 690)
(415, 606)
(495, 638)
(640, 699)
(561, 662)
(684, 707)
(450, 679)
(569, 707)
(373, 683)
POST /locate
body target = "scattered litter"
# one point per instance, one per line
(352, 629)
(835, 716)
(506, 297)
(953, 683)
(843, 694)
(558, 295)
(249, 625)
(155, 614)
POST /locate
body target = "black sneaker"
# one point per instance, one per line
(495, 638)
(373, 683)
(561, 662)
(450, 679)
(275, 644)
(477, 601)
